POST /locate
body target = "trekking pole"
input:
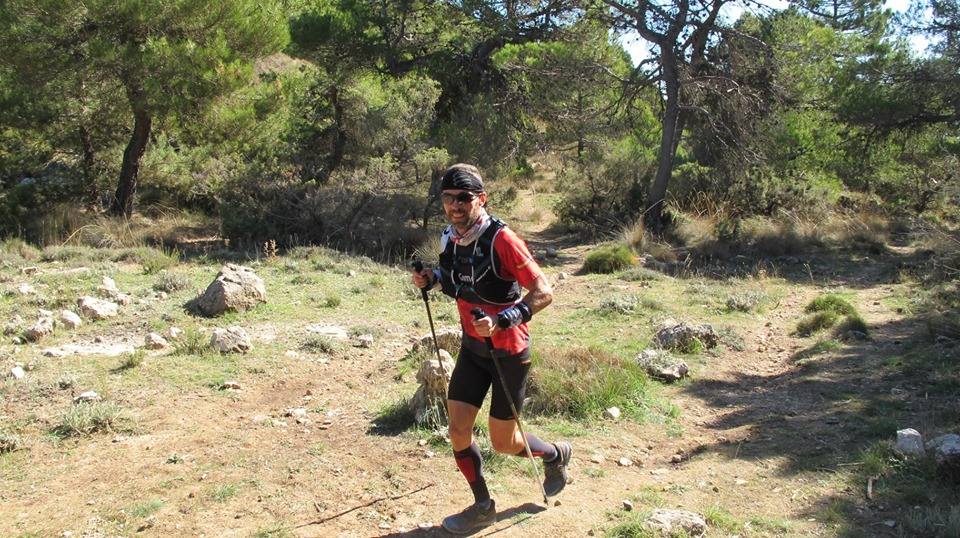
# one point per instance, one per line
(479, 314)
(418, 266)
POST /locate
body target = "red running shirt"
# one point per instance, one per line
(515, 263)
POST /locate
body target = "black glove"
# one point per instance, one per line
(515, 315)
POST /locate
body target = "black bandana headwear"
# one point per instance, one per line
(462, 176)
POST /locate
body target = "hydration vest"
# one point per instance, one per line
(471, 272)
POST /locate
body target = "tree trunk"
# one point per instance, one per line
(89, 160)
(668, 147)
(130, 168)
(339, 136)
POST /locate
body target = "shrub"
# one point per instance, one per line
(9, 443)
(192, 342)
(580, 383)
(91, 417)
(831, 303)
(619, 305)
(745, 302)
(319, 344)
(609, 259)
(170, 282)
(132, 360)
(816, 322)
(640, 274)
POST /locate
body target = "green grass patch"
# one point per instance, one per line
(748, 301)
(816, 323)
(320, 344)
(132, 360)
(831, 302)
(92, 417)
(223, 492)
(609, 259)
(144, 509)
(640, 274)
(720, 518)
(193, 342)
(580, 383)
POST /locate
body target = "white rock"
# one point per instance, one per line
(174, 333)
(97, 309)
(54, 352)
(122, 299)
(612, 412)
(231, 385)
(909, 443)
(330, 331)
(26, 289)
(155, 341)
(625, 462)
(69, 319)
(365, 340)
(447, 338)
(107, 288)
(17, 372)
(236, 288)
(597, 458)
(433, 383)
(672, 522)
(627, 505)
(231, 340)
(296, 412)
(38, 330)
(88, 396)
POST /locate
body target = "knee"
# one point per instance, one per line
(461, 432)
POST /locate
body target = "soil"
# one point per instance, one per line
(758, 437)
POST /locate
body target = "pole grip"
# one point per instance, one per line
(417, 265)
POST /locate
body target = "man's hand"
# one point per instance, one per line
(486, 326)
(423, 278)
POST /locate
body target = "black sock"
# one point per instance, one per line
(540, 449)
(470, 464)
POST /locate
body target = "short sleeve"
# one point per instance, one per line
(515, 260)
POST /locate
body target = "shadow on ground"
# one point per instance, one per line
(830, 409)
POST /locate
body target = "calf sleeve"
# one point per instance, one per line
(539, 448)
(470, 464)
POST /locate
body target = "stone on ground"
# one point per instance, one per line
(155, 341)
(431, 392)
(96, 309)
(38, 330)
(661, 364)
(174, 333)
(236, 288)
(672, 522)
(107, 288)
(26, 289)
(909, 443)
(684, 336)
(88, 396)
(13, 325)
(231, 385)
(946, 452)
(447, 339)
(612, 412)
(330, 331)
(231, 340)
(70, 319)
(17, 372)
(365, 341)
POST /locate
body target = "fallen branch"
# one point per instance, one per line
(870, 487)
(374, 501)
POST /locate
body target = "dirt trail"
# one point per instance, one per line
(760, 436)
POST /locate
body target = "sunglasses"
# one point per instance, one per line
(464, 197)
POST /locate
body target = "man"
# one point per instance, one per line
(484, 264)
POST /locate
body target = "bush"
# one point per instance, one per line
(9, 443)
(609, 259)
(831, 303)
(170, 282)
(581, 383)
(92, 417)
(745, 302)
(816, 322)
(192, 342)
(619, 305)
(640, 274)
